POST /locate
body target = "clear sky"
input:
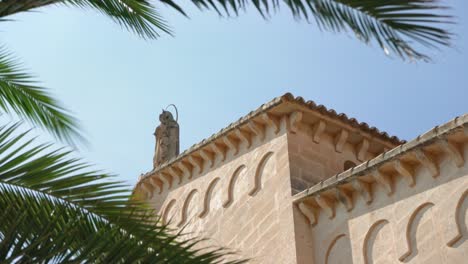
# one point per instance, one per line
(216, 70)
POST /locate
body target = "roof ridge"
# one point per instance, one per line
(285, 98)
(459, 122)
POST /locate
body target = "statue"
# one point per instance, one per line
(167, 138)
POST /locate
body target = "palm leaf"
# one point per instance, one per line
(401, 27)
(139, 16)
(20, 95)
(53, 208)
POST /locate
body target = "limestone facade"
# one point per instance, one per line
(280, 186)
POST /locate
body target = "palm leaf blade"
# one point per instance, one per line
(53, 208)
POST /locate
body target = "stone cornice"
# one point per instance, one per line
(291, 112)
(447, 139)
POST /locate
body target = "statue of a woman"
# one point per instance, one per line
(167, 139)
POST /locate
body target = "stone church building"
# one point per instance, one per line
(294, 182)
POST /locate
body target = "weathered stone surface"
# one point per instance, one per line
(167, 139)
(275, 190)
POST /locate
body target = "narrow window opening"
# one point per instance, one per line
(348, 165)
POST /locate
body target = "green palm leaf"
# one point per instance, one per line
(139, 16)
(402, 27)
(20, 95)
(54, 209)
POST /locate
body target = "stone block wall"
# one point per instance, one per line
(243, 204)
(401, 205)
(418, 218)
(314, 160)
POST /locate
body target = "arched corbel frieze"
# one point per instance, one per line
(364, 189)
(272, 121)
(257, 129)
(411, 228)
(460, 214)
(369, 240)
(257, 179)
(167, 210)
(427, 161)
(185, 207)
(333, 246)
(294, 120)
(231, 183)
(309, 212)
(207, 198)
(453, 150)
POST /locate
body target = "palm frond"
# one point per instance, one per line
(53, 208)
(401, 27)
(20, 95)
(139, 16)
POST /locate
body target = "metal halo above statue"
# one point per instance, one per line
(177, 112)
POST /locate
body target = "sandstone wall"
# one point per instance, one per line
(420, 221)
(401, 205)
(244, 203)
(314, 161)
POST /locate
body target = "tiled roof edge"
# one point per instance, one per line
(438, 132)
(288, 97)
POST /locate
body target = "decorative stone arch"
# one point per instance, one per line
(183, 213)
(332, 245)
(166, 211)
(459, 220)
(230, 187)
(207, 197)
(369, 240)
(411, 228)
(257, 179)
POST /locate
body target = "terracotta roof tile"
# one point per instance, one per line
(427, 138)
(288, 97)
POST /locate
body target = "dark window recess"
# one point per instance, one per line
(348, 165)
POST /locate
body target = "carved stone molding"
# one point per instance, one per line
(208, 156)
(183, 213)
(406, 171)
(221, 151)
(459, 218)
(454, 152)
(231, 144)
(244, 136)
(196, 163)
(230, 188)
(361, 150)
(295, 119)
(272, 121)
(364, 189)
(384, 180)
(345, 197)
(317, 130)
(409, 232)
(309, 212)
(340, 140)
(257, 129)
(257, 181)
(207, 197)
(327, 205)
(368, 242)
(427, 162)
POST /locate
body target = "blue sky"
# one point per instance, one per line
(216, 70)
